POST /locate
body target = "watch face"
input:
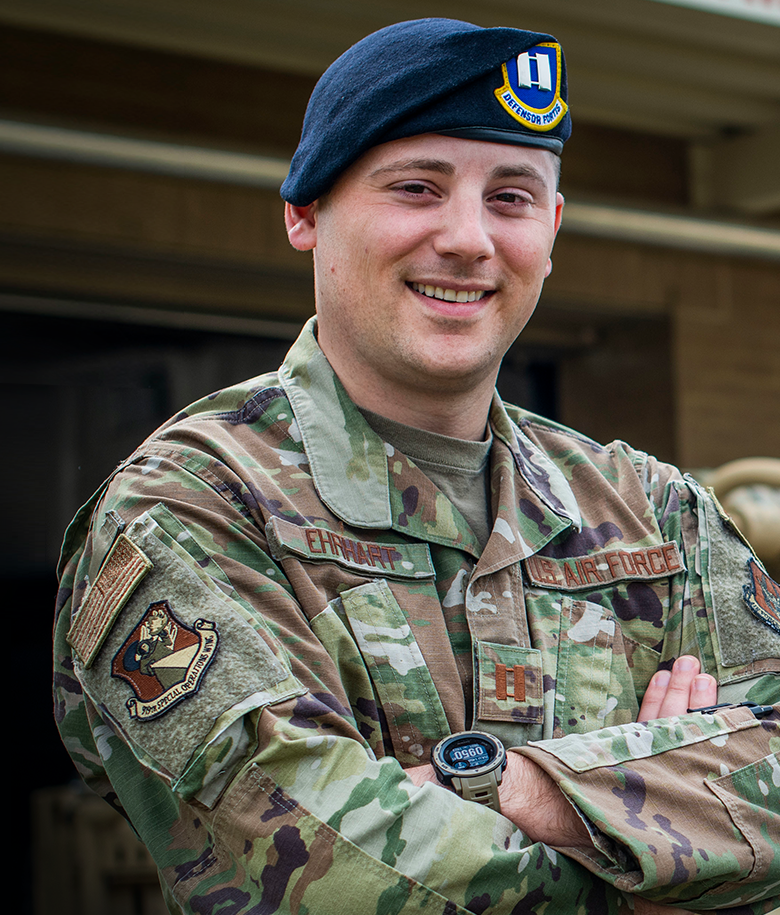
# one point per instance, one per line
(468, 752)
(472, 764)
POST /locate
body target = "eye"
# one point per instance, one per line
(512, 198)
(415, 191)
(415, 188)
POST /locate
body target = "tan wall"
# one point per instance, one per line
(622, 386)
(727, 359)
(684, 358)
(89, 231)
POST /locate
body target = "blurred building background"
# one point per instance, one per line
(144, 262)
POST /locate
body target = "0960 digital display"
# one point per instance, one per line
(468, 755)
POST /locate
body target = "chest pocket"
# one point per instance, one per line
(509, 692)
(600, 672)
(401, 679)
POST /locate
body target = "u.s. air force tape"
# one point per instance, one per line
(605, 567)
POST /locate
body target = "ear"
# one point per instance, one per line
(301, 225)
(559, 202)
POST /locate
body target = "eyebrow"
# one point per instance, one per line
(426, 165)
(500, 173)
(504, 172)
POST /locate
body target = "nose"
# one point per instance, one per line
(463, 232)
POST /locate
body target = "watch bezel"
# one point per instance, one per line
(445, 772)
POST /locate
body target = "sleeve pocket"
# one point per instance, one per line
(751, 795)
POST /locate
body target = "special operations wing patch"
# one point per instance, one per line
(163, 660)
(762, 595)
(532, 87)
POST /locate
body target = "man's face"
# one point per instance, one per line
(156, 622)
(430, 253)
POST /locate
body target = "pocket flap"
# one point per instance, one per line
(509, 683)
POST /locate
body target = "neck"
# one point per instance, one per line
(457, 414)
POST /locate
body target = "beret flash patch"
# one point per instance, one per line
(163, 660)
(762, 595)
(531, 92)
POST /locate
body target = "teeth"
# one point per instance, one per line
(448, 295)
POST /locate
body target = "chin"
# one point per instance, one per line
(453, 376)
(458, 361)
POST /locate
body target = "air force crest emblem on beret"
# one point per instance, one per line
(163, 660)
(532, 87)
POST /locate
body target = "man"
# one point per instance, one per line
(370, 559)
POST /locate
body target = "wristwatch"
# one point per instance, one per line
(472, 763)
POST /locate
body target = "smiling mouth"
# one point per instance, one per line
(449, 295)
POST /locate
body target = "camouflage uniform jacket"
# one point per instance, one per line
(267, 608)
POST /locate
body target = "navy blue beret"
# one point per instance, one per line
(430, 76)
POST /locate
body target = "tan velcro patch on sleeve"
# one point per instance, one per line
(124, 568)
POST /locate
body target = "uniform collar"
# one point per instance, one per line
(540, 473)
(348, 460)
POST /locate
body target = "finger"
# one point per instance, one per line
(704, 691)
(656, 690)
(678, 693)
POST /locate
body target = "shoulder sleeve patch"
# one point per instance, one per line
(762, 595)
(745, 601)
(180, 656)
(125, 567)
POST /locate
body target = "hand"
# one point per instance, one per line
(674, 692)
(531, 800)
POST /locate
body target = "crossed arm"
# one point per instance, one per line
(534, 803)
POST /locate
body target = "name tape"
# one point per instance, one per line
(319, 544)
